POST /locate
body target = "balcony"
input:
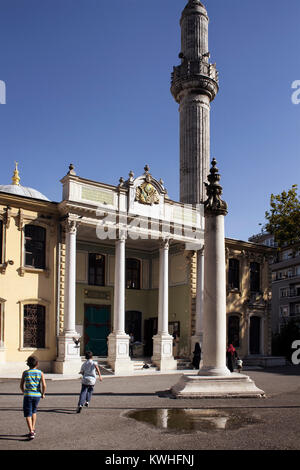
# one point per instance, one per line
(290, 293)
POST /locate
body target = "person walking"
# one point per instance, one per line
(88, 371)
(197, 356)
(33, 386)
(239, 364)
(231, 355)
(131, 342)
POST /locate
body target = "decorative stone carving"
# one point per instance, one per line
(147, 194)
(214, 204)
(7, 216)
(71, 170)
(20, 220)
(70, 225)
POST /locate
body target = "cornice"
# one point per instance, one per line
(32, 204)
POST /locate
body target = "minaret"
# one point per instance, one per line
(194, 85)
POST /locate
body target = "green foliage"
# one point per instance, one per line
(283, 219)
(282, 342)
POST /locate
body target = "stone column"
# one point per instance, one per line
(68, 360)
(70, 283)
(163, 341)
(198, 337)
(119, 294)
(214, 378)
(118, 341)
(214, 318)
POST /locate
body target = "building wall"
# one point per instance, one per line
(20, 285)
(285, 287)
(245, 304)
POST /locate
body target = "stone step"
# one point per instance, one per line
(137, 364)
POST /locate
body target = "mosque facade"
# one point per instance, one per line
(113, 260)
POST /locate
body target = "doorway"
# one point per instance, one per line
(133, 324)
(150, 329)
(255, 330)
(97, 327)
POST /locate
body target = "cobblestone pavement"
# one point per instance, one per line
(271, 423)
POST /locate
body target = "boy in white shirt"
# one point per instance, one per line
(239, 364)
(88, 371)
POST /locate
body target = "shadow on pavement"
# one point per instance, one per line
(285, 370)
(14, 437)
(109, 394)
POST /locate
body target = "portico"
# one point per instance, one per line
(138, 216)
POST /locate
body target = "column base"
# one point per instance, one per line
(118, 353)
(233, 386)
(68, 361)
(163, 352)
(214, 371)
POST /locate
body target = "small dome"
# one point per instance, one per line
(18, 190)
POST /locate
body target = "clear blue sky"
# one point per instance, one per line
(88, 82)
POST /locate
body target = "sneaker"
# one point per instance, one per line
(31, 435)
(86, 404)
(79, 408)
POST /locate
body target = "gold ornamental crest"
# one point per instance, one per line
(147, 194)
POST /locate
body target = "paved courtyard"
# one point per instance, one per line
(162, 422)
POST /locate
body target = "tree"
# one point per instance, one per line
(283, 219)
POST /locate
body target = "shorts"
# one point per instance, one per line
(30, 405)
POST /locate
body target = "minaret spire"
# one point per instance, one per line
(194, 85)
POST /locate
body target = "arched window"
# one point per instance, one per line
(35, 246)
(34, 326)
(234, 274)
(234, 330)
(133, 273)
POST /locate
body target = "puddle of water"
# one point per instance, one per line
(193, 420)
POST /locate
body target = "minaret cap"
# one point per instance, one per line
(16, 178)
(194, 6)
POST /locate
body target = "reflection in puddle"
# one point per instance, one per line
(193, 420)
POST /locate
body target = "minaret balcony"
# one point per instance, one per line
(195, 74)
(190, 69)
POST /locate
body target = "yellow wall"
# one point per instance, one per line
(244, 304)
(19, 284)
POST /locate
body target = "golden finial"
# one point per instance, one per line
(16, 178)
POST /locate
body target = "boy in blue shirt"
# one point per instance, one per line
(33, 385)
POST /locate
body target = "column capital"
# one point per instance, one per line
(122, 237)
(71, 223)
(165, 243)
